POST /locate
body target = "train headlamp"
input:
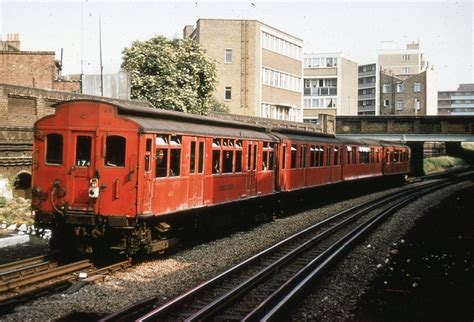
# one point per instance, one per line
(94, 188)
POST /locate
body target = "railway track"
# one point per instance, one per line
(265, 285)
(31, 278)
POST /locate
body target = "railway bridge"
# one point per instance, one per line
(414, 131)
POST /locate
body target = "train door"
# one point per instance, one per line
(196, 172)
(82, 170)
(147, 183)
(252, 158)
(118, 173)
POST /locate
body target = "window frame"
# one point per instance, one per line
(228, 51)
(227, 90)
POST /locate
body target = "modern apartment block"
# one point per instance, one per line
(259, 68)
(330, 85)
(368, 90)
(458, 102)
(401, 62)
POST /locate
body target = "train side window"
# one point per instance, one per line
(54, 148)
(192, 157)
(293, 155)
(328, 155)
(336, 155)
(283, 163)
(147, 155)
(238, 161)
(303, 157)
(216, 161)
(354, 155)
(372, 155)
(115, 151)
(271, 156)
(254, 157)
(161, 162)
(312, 156)
(320, 155)
(83, 151)
(227, 161)
(201, 157)
(175, 162)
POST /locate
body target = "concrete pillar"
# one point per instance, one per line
(455, 149)
(416, 162)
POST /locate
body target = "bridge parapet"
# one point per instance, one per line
(396, 124)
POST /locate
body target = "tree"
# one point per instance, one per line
(171, 74)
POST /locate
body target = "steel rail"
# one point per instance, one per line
(274, 306)
(169, 306)
(223, 301)
(45, 275)
(5, 268)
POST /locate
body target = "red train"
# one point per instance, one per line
(130, 177)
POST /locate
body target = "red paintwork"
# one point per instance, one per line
(134, 189)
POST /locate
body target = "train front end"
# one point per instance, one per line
(85, 176)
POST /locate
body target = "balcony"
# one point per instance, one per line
(366, 85)
(320, 91)
(366, 96)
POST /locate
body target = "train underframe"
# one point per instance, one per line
(87, 233)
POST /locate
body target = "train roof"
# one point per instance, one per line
(383, 143)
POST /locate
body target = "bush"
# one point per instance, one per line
(437, 164)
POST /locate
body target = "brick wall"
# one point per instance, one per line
(24, 68)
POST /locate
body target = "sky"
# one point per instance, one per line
(444, 29)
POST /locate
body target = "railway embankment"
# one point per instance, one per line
(430, 274)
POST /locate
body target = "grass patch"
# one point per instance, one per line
(17, 210)
(437, 164)
(468, 145)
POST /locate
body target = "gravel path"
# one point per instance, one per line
(167, 277)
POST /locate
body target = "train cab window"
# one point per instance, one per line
(303, 157)
(293, 155)
(147, 155)
(161, 162)
(328, 155)
(283, 161)
(201, 158)
(192, 157)
(54, 148)
(83, 151)
(336, 155)
(115, 151)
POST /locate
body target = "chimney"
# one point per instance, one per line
(413, 46)
(187, 31)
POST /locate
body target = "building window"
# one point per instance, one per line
(399, 87)
(405, 70)
(400, 105)
(416, 87)
(386, 88)
(405, 57)
(228, 56)
(386, 103)
(228, 93)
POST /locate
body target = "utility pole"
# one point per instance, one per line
(101, 66)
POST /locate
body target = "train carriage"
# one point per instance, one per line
(122, 176)
(107, 168)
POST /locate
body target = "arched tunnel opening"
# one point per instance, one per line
(22, 185)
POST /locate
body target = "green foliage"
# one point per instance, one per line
(171, 74)
(436, 164)
(217, 106)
